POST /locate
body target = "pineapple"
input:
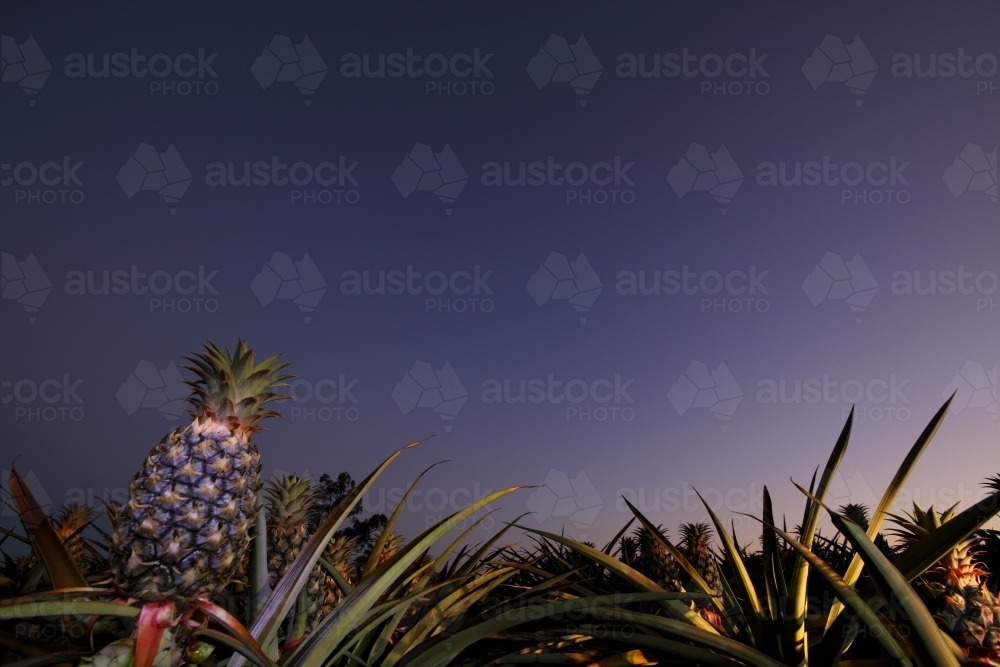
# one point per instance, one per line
(291, 505)
(393, 543)
(955, 590)
(650, 558)
(696, 546)
(187, 522)
(289, 509)
(337, 553)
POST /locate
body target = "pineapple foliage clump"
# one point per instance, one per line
(954, 589)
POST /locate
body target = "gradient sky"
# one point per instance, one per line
(923, 341)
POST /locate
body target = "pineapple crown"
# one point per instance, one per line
(290, 499)
(696, 535)
(644, 539)
(72, 518)
(233, 389)
(857, 513)
(919, 523)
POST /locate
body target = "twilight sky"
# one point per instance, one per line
(768, 310)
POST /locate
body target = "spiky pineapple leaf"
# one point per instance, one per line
(889, 497)
(772, 563)
(476, 559)
(739, 567)
(48, 546)
(346, 616)
(383, 537)
(795, 644)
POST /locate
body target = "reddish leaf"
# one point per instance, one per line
(63, 570)
(154, 618)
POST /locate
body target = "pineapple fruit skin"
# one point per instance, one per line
(188, 518)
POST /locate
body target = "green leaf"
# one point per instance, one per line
(675, 608)
(772, 562)
(21, 608)
(387, 530)
(796, 644)
(343, 584)
(286, 591)
(48, 546)
(258, 585)
(314, 651)
(889, 497)
(925, 636)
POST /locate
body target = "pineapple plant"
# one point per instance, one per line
(69, 524)
(186, 524)
(652, 560)
(696, 546)
(955, 589)
(291, 506)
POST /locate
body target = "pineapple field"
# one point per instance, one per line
(209, 564)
